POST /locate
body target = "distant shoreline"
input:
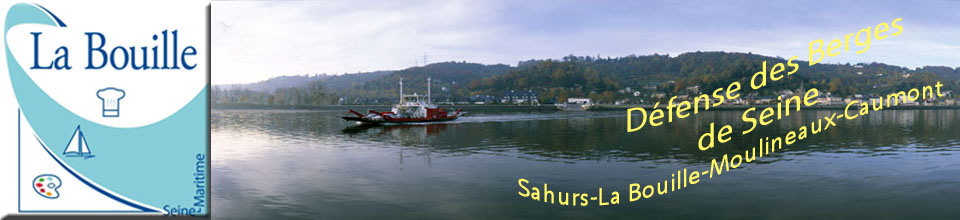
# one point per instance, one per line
(542, 108)
(745, 107)
(363, 108)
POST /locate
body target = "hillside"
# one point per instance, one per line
(333, 82)
(448, 79)
(605, 80)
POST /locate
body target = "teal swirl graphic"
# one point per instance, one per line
(152, 164)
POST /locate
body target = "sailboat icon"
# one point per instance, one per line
(77, 147)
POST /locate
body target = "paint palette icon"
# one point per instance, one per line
(46, 185)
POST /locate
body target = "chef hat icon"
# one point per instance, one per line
(111, 101)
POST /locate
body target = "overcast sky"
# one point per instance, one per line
(256, 40)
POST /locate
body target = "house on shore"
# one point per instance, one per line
(528, 97)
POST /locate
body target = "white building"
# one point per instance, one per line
(579, 101)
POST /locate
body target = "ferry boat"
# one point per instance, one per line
(410, 109)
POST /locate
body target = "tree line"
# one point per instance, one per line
(602, 79)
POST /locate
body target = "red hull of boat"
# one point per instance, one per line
(434, 116)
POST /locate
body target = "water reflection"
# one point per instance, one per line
(593, 136)
(420, 131)
(312, 164)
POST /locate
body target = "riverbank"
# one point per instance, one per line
(468, 108)
(745, 107)
(528, 108)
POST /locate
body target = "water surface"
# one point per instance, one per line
(892, 164)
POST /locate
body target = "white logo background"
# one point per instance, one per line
(122, 23)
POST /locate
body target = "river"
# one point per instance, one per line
(267, 164)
